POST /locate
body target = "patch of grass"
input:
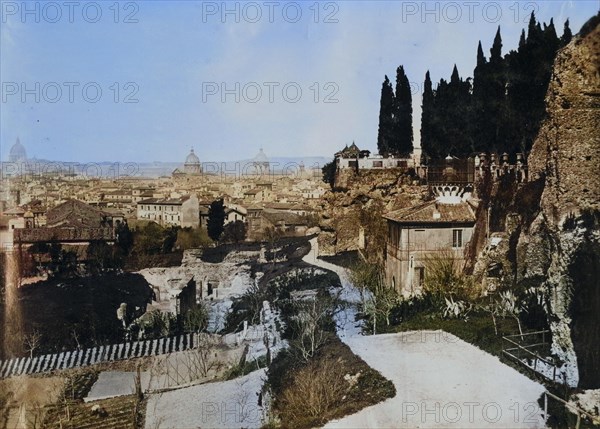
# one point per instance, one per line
(477, 330)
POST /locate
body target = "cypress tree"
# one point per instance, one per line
(479, 73)
(427, 113)
(522, 39)
(385, 134)
(403, 133)
(567, 34)
(496, 51)
(216, 220)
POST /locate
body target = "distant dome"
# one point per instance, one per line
(17, 152)
(261, 162)
(261, 157)
(192, 159)
(192, 164)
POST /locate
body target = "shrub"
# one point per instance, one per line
(443, 279)
(314, 391)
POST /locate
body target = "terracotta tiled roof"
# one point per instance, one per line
(75, 213)
(434, 212)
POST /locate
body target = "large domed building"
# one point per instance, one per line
(261, 163)
(17, 153)
(191, 166)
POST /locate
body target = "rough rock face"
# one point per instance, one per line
(367, 196)
(560, 250)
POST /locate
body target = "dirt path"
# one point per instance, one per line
(441, 381)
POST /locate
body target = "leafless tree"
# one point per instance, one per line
(205, 353)
(32, 342)
(308, 326)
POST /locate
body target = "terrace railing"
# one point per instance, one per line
(527, 348)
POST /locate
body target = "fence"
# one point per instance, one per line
(527, 353)
(579, 413)
(94, 355)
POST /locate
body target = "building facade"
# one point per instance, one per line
(417, 235)
(183, 211)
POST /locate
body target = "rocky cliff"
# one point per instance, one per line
(352, 216)
(559, 251)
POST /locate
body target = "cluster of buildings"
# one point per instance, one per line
(351, 157)
(286, 202)
(54, 206)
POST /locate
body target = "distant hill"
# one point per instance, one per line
(106, 169)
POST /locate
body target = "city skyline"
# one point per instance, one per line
(144, 82)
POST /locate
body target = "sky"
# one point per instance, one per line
(147, 80)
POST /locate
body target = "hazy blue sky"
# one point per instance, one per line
(175, 58)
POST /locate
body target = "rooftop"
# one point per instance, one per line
(434, 212)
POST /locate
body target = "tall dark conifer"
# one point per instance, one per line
(567, 34)
(496, 51)
(504, 110)
(403, 133)
(522, 39)
(428, 142)
(385, 135)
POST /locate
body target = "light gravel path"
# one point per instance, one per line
(441, 381)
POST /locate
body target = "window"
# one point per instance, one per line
(377, 164)
(457, 240)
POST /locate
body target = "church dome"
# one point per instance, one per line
(192, 159)
(17, 152)
(261, 157)
(192, 164)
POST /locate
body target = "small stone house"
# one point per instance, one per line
(438, 227)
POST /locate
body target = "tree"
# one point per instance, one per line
(196, 319)
(170, 238)
(100, 256)
(234, 232)
(309, 326)
(385, 136)
(216, 219)
(427, 116)
(124, 238)
(189, 238)
(378, 298)
(496, 51)
(403, 133)
(567, 34)
(32, 342)
(149, 239)
(329, 171)
(272, 235)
